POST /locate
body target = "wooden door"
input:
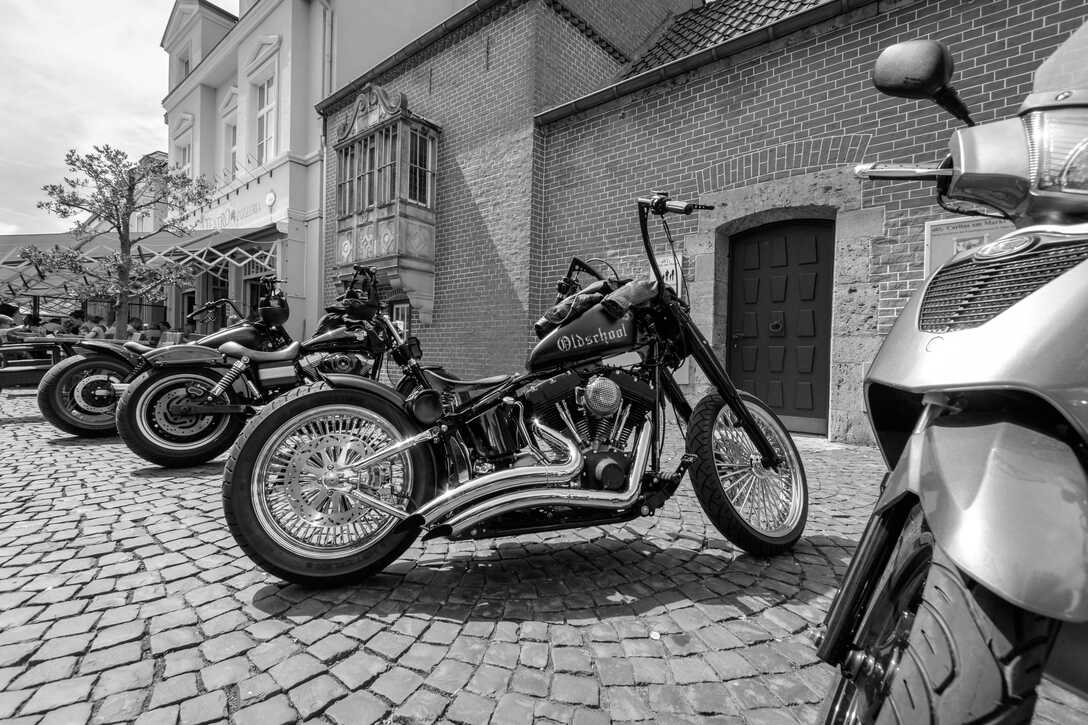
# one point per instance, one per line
(780, 318)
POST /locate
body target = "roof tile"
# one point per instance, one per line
(715, 23)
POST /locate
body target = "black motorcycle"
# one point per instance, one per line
(333, 481)
(193, 400)
(79, 394)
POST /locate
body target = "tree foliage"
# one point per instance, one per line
(102, 193)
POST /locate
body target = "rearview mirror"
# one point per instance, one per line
(914, 69)
(919, 69)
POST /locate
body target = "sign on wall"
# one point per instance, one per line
(671, 270)
(946, 238)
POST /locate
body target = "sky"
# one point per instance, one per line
(76, 73)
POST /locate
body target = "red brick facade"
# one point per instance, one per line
(518, 195)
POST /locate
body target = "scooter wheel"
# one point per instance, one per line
(937, 647)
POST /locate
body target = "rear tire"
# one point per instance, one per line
(153, 431)
(950, 650)
(293, 514)
(75, 394)
(730, 485)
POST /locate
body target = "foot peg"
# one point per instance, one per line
(666, 486)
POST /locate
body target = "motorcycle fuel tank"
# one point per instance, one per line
(244, 334)
(590, 336)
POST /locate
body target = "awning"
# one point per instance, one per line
(210, 250)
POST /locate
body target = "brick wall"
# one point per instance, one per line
(798, 104)
(483, 84)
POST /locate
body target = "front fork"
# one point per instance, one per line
(700, 349)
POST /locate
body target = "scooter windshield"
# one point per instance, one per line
(1067, 67)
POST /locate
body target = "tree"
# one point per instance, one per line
(103, 192)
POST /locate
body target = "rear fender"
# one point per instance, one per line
(107, 349)
(184, 356)
(367, 385)
(1008, 503)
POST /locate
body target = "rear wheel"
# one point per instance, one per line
(76, 396)
(936, 647)
(151, 423)
(291, 490)
(761, 510)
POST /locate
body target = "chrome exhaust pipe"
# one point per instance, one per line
(556, 474)
(615, 500)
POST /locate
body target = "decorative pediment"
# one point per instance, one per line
(372, 106)
(230, 101)
(266, 48)
(180, 16)
(185, 122)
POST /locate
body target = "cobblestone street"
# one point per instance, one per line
(123, 598)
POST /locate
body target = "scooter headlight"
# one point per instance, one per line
(1059, 149)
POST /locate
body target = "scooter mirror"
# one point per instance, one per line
(919, 69)
(913, 69)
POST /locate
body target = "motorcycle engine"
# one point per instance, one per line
(338, 362)
(599, 410)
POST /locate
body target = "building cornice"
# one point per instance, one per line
(775, 31)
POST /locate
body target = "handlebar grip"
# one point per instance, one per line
(679, 207)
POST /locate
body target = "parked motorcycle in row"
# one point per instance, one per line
(192, 401)
(333, 481)
(79, 394)
(971, 579)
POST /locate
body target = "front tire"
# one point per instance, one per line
(935, 647)
(763, 511)
(288, 484)
(150, 425)
(75, 394)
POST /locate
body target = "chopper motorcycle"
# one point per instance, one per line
(970, 581)
(333, 481)
(79, 394)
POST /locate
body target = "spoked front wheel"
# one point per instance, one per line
(297, 501)
(761, 510)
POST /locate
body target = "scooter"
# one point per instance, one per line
(971, 579)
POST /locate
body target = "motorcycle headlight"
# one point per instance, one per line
(1058, 141)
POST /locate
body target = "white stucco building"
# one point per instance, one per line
(240, 110)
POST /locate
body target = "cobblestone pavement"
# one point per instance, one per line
(123, 597)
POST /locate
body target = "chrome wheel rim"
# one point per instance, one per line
(304, 482)
(770, 501)
(159, 422)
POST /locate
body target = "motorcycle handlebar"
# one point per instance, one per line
(660, 204)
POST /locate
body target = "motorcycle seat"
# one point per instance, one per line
(137, 347)
(453, 385)
(233, 349)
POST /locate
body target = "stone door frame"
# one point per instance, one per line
(833, 194)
